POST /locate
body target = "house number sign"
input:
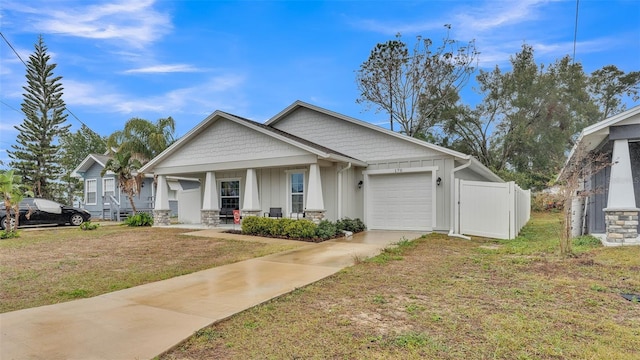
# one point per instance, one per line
(398, 170)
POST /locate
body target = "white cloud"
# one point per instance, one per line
(166, 68)
(189, 99)
(135, 23)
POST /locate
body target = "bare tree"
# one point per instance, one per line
(581, 165)
(414, 87)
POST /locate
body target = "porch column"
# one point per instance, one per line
(210, 212)
(251, 202)
(314, 209)
(621, 213)
(161, 207)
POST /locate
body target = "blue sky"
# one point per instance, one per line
(186, 59)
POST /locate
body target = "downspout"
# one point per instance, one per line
(340, 189)
(452, 230)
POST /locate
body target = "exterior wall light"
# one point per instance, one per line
(438, 180)
(360, 184)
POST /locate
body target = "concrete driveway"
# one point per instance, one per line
(145, 321)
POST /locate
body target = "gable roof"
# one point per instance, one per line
(306, 145)
(88, 162)
(475, 165)
(301, 104)
(592, 136)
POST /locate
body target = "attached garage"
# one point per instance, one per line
(400, 199)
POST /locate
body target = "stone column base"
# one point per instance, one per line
(622, 226)
(210, 218)
(314, 215)
(161, 218)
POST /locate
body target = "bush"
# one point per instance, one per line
(326, 230)
(300, 229)
(353, 225)
(139, 219)
(4, 234)
(261, 226)
(88, 225)
(254, 225)
(544, 201)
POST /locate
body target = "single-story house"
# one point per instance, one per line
(610, 210)
(105, 200)
(310, 162)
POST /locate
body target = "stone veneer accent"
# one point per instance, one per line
(210, 217)
(161, 217)
(622, 225)
(314, 215)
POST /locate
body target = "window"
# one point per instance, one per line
(91, 192)
(230, 194)
(108, 189)
(297, 192)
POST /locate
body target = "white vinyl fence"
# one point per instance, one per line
(488, 209)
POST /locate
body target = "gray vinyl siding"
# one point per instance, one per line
(598, 186)
(634, 152)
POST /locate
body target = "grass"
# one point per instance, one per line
(445, 298)
(65, 263)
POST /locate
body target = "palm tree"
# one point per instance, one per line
(12, 194)
(124, 166)
(144, 139)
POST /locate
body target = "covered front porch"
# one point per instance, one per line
(315, 191)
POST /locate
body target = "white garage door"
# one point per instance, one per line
(400, 201)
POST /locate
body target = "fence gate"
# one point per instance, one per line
(489, 209)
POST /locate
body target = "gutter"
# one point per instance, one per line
(340, 189)
(452, 230)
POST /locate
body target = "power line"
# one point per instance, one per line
(14, 50)
(575, 32)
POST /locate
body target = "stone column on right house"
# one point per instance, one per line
(621, 213)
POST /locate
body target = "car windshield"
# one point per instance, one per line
(49, 206)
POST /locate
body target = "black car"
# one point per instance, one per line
(34, 212)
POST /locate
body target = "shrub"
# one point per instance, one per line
(353, 225)
(254, 225)
(4, 234)
(88, 225)
(544, 201)
(139, 219)
(326, 230)
(300, 229)
(280, 225)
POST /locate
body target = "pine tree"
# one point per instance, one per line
(36, 154)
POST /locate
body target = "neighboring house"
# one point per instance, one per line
(104, 199)
(610, 212)
(314, 163)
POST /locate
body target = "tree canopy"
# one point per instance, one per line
(415, 87)
(36, 155)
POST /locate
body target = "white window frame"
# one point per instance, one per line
(104, 188)
(86, 191)
(290, 193)
(220, 197)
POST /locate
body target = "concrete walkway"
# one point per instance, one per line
(145, 321)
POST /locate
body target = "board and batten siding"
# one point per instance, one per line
(225, 142)
(347, 138)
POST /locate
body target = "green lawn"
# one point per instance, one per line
(447, 298)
